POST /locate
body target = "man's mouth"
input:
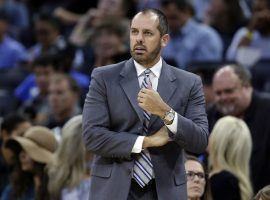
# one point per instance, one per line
(139, 49)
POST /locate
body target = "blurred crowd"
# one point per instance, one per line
(48, 50)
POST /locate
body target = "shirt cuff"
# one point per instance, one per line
(173, 127)
(137, 148)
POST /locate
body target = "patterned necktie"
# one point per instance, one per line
(143, 168)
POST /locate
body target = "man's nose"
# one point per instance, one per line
(139, 38)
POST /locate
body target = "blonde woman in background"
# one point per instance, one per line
(69, 178)
(229, 155)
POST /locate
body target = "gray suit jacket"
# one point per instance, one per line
(112, 121)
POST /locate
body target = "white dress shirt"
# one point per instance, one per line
(154, 77)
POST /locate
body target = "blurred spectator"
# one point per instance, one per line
(200, 7)
(206, 71)
(12, 125)
(263, 194)
(108, 45)
(226, 16)
(118, 9)
(50, 41)
(190, 41)
(234, 96)
(69, 176)
(108, 41)
(18, 16)
(35, 150)
(72, 10)
(11, 51)
(229, 155)
(197, 180)
(43, 66)
(63, 102)
(33, 91)
(256, 36)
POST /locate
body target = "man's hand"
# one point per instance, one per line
(150, 101)
(160, 138)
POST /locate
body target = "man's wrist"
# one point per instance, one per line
(146, 142)
(164, 110)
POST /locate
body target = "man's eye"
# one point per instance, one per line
(134, 31)
(148, 33)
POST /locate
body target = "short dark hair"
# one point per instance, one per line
(243, 74)
(163, 26)
(11, 122)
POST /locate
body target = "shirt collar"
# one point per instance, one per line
(156, 69)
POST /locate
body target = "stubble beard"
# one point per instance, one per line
(144, 59)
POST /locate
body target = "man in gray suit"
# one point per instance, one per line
(139, 116)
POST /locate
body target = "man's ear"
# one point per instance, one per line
(164, 40)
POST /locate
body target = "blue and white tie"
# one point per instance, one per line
(143, 168)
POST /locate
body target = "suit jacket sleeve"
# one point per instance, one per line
(192, 127)
(97, 135)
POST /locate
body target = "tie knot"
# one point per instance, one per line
(147, 72)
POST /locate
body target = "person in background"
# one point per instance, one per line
(256, 35)
(69, 173)
(51, 41)
(34, 88)
(230, 148)
(18, 13)
(63, 99)
(118, 9)
(197, 179)
(70, 13)
(226, 17)
(12, 125)
(12, 52)
(35, 149)
(107, 45)
(263, 194)
(234, 95)
(190, 40)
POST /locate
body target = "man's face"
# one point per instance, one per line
(229, 92)
(43, 75)
(145, 39)
(61, 99)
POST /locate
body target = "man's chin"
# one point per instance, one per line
(226, 110)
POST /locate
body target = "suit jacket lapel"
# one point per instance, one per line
(166, 87)
(130, 84)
